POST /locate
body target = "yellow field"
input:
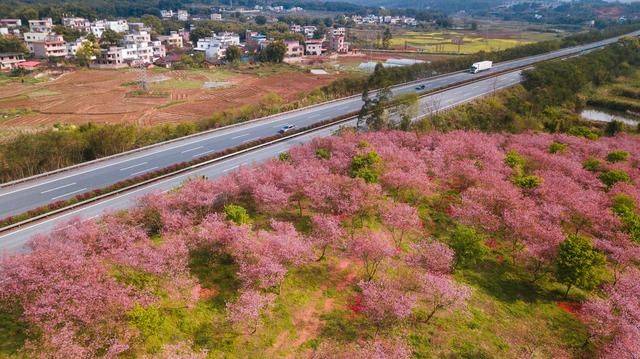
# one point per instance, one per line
(447, 42)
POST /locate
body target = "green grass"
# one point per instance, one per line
(471, 42)
(42, 93)
(13, 331)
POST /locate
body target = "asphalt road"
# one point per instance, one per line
(14, 241)
(19, 198)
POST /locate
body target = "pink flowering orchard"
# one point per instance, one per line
(303, 256)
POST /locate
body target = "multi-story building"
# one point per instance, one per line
(167, 14)
(337, 44)
(42, 25)
(77, 23)
(173, 40)
(216, 46)
(52, 46)
(295, 28)
(110, 58)
(339, 31)
(10, 60)
(216, 17)
(32, 37)
(254, 41)
(309, 31)
(313, 47)
(183, 15)
(294, 49)
(10, 23)
(138, 48)
(119, 26)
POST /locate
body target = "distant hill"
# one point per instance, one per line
(442, 5)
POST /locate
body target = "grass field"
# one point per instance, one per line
(622, 96)
(470, 42)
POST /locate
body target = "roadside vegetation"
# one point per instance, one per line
(32, 153)
(455, 244)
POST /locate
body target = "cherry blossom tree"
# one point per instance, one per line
(432, 256)
(615, 319)
(245, 312)
(372, 248)
(327, 232)
(384, 303)
(401, 218)
(442, 293)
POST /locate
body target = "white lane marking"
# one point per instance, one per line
(203, 153)
(149, 188)
(143, 171)
(245, 134)
(133, 166)
(192, 149)
(57, 188)
(66, 194)
(231, 168)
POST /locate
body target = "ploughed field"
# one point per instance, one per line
(113, 96)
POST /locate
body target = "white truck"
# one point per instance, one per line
(480, 66)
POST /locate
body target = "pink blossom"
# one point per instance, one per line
(433, 256)
(372, 248)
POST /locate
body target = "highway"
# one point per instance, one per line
(13, 241)
(32, 193)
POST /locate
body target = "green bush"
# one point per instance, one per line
(468, 246)
(513, 159)
(323, 154)
(557, 147)
(582, 131)
(617, 156)
(237, 214)
(625, 207)
(609, 178)
(284, 156)
(591, 164)
(366, 166)
(528, 182)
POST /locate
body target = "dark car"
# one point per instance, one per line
(287, 128)
(421, 87)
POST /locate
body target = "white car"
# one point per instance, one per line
(287, 128)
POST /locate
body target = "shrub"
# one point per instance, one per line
(557, 147)
(513, 159)
(468, 246)
(528, 182)
(617, 156)
(237, 214)
(582, 131)
(323, 154)
(284, 156)
(609, 178)
(578, 263)
(366, 166)
(591, 164)
(625, 208)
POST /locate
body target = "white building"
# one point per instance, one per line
(216, 17)
(10, 23)
(138, 48)
(32, 37)
(172, 40)
(216, 46)
(78, 23)
(42, 25)
(167, 14)
(313, 47)
(183, 15)
(309, 31)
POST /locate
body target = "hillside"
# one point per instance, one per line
(386, 245)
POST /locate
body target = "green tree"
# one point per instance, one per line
(154, 22)
(366, 166)
(232, 54)
(86, 52)
(12, 44)
(110, 38)
(274, 52)
(260, 19)
(386, 38)
(578, 263)
(237, 214)
(468, 245)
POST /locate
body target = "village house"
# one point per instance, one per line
(42, 25)
(294, 49)
(52, 46)
(10, 60)
(313, 47)
(173, 40)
